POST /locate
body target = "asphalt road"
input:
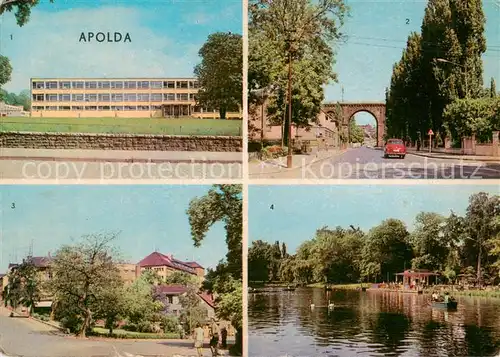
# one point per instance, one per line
(369, 163)
(55, 170)
(22, 337)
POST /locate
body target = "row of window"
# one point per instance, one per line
(119, 97)
(112, 107)
(115, 84)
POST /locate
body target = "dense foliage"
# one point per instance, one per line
(439, 66)
(22, 99)
(450, 245)
(220, 73)
(302, 32)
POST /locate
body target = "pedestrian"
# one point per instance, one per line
(418, 145)
(214, 341)
(199, 337)
(223, 334)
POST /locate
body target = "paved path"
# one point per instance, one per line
(23, 337)
(369, 163)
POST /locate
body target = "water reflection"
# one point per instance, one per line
(369, 324)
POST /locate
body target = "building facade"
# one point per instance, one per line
(118, 97)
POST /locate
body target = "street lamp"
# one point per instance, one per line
(442, 60)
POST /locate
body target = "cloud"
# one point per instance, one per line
(48, 46)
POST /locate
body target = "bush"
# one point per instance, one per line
(274, 152)
(169, 323)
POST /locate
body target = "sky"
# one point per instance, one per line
(149, 218)
(377, 33)
(166, 36)
(298, 211)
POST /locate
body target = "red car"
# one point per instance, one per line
(395, 147)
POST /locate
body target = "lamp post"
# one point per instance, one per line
(442, 60)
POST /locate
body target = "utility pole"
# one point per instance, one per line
(289, 156)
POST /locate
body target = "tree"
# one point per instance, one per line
(481, 224)
(493, 88)
(221, 203)
(22, 9)
(357, 135)
(83, 273)
(12, 292)
(5, 71)
(220, 73)
(181, 278)
(301, 32)
(430, 247)
(142, 306)
(386, 249)
(192, 312)
(259, 261)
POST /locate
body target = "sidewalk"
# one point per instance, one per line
(271, 166)
(439, 155)
(72, 155)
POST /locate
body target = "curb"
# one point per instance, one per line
(454, 158)
(284, 169)
(109, 160)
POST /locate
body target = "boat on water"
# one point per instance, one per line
(289, 289)
(328, 288)
(253, 290)
(450, 305)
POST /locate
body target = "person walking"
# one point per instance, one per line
(223, 334)
(199, 337)
(214, 341)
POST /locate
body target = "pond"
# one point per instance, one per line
(371, 323)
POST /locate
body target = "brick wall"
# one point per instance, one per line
(85, 141)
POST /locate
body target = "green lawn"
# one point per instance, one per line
(178, 126)
(118, 333)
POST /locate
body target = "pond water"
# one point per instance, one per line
(371, 323)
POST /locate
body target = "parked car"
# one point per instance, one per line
(395, 147)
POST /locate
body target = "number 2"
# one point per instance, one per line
(407, 21)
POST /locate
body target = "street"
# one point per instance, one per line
(22, 337)
(369, 163)
(63, 170)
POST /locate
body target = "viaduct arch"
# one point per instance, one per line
(348, 110)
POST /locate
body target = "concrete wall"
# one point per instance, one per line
(32, 140)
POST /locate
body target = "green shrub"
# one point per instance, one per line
(274, 152)
(169, 323)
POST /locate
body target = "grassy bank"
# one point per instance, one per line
(178, 126)
(478, 293)
(118, 333)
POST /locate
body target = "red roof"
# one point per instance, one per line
(40, 262)
(194, 265)
(208, 298)
(172, 289)
(157, 259)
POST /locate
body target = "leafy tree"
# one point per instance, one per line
(192, 311)
(5, 72)
(12, 292)
(302, 32)
(181, 278)
(357, 135)
(112, 306)
(141, 306)
(481, 224)
(429, 244)
(221, 203)
(386, 248)
(493, 88)
(259, 261)
(22, 9)
(220, 73)
(83, 273)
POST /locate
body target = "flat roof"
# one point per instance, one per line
(111, 78)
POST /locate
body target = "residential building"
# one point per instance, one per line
(128, 272)
(164, 265)
(118, 97)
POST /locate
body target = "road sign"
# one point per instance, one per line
(430, 132)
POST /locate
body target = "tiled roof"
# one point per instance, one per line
(208, 298)
(194, 265)
(157, 259)
(171, 289)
